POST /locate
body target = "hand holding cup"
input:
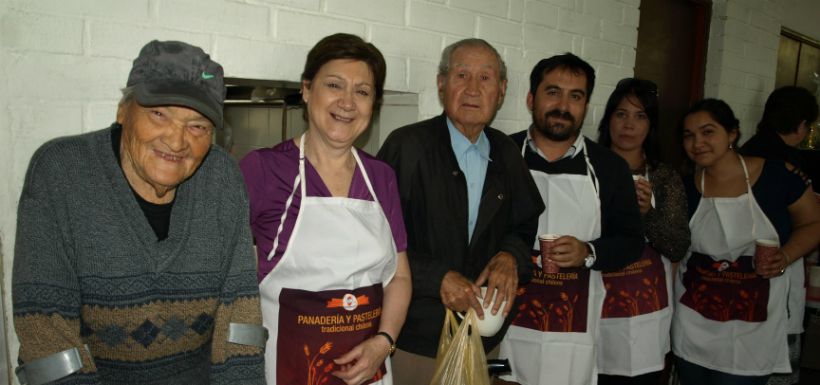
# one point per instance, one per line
(491, 323)
(765, 250)
(546, 241)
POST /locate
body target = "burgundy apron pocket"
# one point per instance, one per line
(639, 288)
(554, 302)
(317, 327)
(724, 291)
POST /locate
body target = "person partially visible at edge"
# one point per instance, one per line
(787, 119)
(632, 345)
(330, 237)
(470, 205)
(591, 204)
(133, 262)
(787, 116)
(730, 321)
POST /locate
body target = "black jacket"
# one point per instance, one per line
(433, 193)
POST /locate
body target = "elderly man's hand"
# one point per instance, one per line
(500, 274)
(459, 294)
(568, 251)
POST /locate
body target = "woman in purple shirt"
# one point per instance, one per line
(334, 278)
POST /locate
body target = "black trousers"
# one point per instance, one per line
(653, 378)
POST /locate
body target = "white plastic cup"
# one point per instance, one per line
(491, 323)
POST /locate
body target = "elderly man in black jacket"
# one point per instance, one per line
(470, 205)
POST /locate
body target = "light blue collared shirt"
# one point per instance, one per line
(473, 159)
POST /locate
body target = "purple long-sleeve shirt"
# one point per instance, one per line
(269, 175)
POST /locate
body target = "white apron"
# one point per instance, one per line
(796, 272)
(727, 318)
(325, 295)
(552, 339)
(636, 316)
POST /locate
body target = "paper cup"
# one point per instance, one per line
(491, 323)
(545, 244)
(764, 250)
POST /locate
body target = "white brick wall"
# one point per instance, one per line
(542, 14)
(496, 30)
(290, 27)
(25, 30)
(435, 17)
(742, 57)
(383, 11)
(63, 61)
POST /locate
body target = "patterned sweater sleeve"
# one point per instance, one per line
(666, 225)
(237, 351)
(45, 288)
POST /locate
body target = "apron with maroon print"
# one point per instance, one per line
(552, 339)
(324, 297)
(636, 316)
(727, 318)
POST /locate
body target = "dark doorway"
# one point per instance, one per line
(672, 42)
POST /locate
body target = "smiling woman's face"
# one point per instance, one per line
(704, 139)
(340, 101)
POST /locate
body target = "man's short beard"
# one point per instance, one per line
(557, 132)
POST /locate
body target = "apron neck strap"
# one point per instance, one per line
(289, 201)
(745, 176)
(590, 170)
(355, 156)
(297, 182)
(745, 173)
(301, 175)
(749, 195)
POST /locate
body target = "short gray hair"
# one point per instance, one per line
(127, 95)
(447, 54)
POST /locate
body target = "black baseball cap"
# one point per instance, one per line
(177, 73)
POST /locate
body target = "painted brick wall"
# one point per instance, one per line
(63, 61)
(741, 62)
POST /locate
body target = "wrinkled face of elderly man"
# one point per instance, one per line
(161, 147)
(472, 90)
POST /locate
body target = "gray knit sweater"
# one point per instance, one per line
(88, 269)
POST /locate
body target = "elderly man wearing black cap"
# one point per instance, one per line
(133, 261)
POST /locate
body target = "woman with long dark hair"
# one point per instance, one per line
(729, 325)
(637, 311)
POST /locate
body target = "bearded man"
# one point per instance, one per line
(591, 205)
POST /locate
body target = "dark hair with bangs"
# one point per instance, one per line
(646, 92)
(720, 112)
(347, 46)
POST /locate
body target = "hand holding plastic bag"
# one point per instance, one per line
(460, 359)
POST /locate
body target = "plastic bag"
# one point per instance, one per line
(460, 359)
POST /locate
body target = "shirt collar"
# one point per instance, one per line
(461, 144)
(571, 151)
